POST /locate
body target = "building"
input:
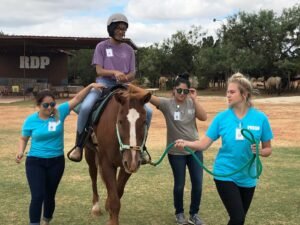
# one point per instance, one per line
(28, 62)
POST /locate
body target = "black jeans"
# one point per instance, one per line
(43, 175)
(178, 164)
(236, 200)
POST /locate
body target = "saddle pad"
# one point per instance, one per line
(100, 104)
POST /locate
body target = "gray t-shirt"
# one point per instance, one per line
(114, 57)
(180, 120)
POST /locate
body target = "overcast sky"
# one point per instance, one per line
(150, 21)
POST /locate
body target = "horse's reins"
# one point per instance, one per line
(254, 158)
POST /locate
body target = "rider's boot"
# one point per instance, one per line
(75, 154)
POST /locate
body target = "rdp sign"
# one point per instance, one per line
(34, 62)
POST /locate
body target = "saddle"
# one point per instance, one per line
(100, 104)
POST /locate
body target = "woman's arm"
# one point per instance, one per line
(199, 110)
(81, 94)
(22, 146)
(199, 145)
(266, 149)
(154, 100)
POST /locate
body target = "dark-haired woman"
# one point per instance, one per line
(180, 113)
(45, 160)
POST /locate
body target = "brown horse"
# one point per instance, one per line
(120, 133)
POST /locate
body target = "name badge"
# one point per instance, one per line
(238, 134)
(109, 52)
(177, 116)
(52, 126)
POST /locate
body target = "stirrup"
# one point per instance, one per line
(74, 160)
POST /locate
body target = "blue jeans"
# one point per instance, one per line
(43, 175)
(90, 100)
(178, 164)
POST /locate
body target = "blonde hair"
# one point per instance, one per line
(244, 85)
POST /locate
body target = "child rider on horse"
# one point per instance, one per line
(115, 64)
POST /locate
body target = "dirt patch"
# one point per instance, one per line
(279, 100)
(283, 113)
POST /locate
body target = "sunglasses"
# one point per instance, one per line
(51, 104)
(184, 91)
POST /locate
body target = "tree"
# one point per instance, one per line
(181, 49)
(79, 66)
(150, 63)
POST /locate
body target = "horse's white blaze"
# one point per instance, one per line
(132, 117)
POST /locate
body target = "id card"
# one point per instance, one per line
(238, 134)
(52, 126)
(109, 52)
(177, 116)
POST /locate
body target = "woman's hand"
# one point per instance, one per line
(193, 93)
(253, 148)
(19, 156)
(97, 85)
(120, 77)
(180, 144)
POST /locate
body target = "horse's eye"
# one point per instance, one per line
(120, 121)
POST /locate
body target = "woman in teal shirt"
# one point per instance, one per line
(236, 191)
(45, 160)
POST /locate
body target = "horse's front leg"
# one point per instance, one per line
(122, 180)
(90, 157)
(112, 205)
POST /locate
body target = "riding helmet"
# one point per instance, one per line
(113, 21)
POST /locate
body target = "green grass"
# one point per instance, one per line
(148, 195)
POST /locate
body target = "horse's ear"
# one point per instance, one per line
(146, 98)
(119, 96)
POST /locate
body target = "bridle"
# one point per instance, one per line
(124, 147)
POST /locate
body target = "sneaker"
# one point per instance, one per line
(180, 219)
(195, 219)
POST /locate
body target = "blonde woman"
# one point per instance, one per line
(236, 191)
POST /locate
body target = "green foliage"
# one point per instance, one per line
(256, 44)
(79, 67)
(150, 63)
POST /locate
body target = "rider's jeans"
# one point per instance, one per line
(91, 99)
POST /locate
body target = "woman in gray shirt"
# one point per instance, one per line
(180, 113)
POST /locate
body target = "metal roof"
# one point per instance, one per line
(18, 42)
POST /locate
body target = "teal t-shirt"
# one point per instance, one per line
(236, 152)
(47, 136)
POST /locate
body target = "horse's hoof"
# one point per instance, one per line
(111, 223)
(96, 211)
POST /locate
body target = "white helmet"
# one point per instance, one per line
(117, 17)
(113, 21)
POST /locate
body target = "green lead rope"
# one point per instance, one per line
(255, 158)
